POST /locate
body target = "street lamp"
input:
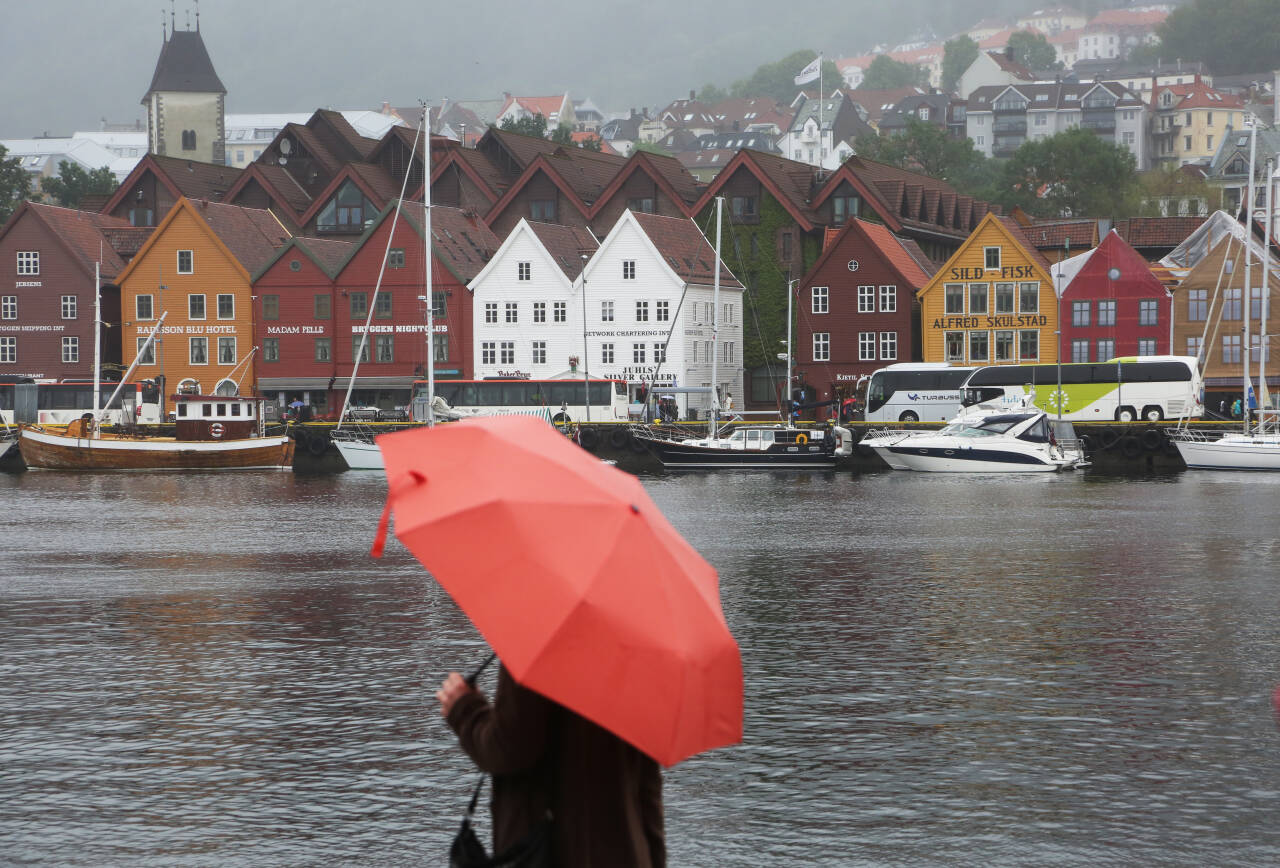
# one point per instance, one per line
(586, 376)
(1113, 274)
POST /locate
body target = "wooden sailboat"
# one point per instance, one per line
(214, 432)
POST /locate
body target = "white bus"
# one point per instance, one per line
(915, 392)
(563, 399)
(63, 403)
(1123, 390)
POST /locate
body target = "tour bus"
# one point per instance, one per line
(62, 403)
(915, 392)
(564, 399)
(1122, 389)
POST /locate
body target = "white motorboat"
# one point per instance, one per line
(1026, 440)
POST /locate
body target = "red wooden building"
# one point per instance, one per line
(47, 262)
(1112, 304)
(854, 309)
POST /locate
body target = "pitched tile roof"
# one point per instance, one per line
(547, 106)
(893, 248)
(1157, 231)
(683, 246)
(343, 133)
(1007, 63)
(1196, 94)
(127, 241)
(902, 193)
(877, 102)
(194, 179)
(1015, 229)
(674, 173)
(461, 241)
(184, 66)
(586, 172)
(253, 236)
(1049, 235)
(285, 186)
(84, 233)
(522, 149)
(565, 244)
(329, 253)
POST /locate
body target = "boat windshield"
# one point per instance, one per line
(987, 426)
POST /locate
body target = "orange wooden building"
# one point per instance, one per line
(196, 266)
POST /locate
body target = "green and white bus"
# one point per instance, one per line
(1124, 389)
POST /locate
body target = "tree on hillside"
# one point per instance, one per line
(957, 55)
(1228, 36)
(1168, 191)
(885, 73)
(74, 183)
(649, 147)
(711, 94)
(15, 185)
(562, 135)
(1033, 50)
(928, 149)
(778, 80)
(527, 126)
(1072, 174)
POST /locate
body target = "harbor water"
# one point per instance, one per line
(939, 670)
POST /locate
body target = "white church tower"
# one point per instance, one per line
(186, 113)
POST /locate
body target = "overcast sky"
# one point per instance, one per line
(66, 64)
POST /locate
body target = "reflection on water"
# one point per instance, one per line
(939, 670)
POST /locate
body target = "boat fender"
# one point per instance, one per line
(1152, 439)
(215, 429)
(637, 445)
(1130, 446)
(1107, 438)
(618, 438)
(588, 439)
(802, 439)
(317, 445)
(1086, 440)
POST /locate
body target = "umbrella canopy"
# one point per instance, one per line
(573, 576)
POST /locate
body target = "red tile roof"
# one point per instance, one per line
(683, 246)
(84, 234)
(194, 179)
(461, 241)
(328, 253)
(1157, 231)
(1015, 229)
(892, 247)
(877, 102)
(1196, 94)
(565, 244)
(1009, 65)
(543, 105)
(1049, 235)
(253, 236)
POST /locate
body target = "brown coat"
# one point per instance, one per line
(605, 796)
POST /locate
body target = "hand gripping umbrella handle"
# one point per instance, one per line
(471, 679)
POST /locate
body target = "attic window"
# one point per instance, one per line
(1042, 97)
(1071, 97)
(295, 265)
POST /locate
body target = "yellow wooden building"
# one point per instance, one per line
(992, 303)
(196, 266)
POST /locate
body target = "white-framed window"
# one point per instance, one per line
(642, 311)
(727, 313)
(490, 311)
(198, 351)
(979, 347)
(271, 349)
(1080, 315)
(8, 307)
(889, 345)
(1005, 298)
(186, 262)
(1146, 346)
(637, 354)
(978, 297)
(1029, 297)
(227, 304)
(70, 350)
(953, 299)
(558, 311)
(539, 311)
(195, 306)
(866, 346)
(1104, 348)
(820, 299)
(953, 346)
(1028, 345)
(662, 311)
(628, 269)
(323, 350)
(512, 311)
(1080, 350)
(1231, 349)
(1004, 345)
(991, 258)
(1107, 312)
(889, 300)
(507, 353)
(866, 299)
(523, 271)
(606, 311)
(1197, 304)
(69, 307)
(8, 350)
(1148, 312)
(227, 351)
(539, 352)
(148, 357)
(659, 353)
(822, 346)
(28, 262)
(727, 355)
(606, 353)
(488, 352)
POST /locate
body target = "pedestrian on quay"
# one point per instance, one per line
(1236, 407)
(1222, 408)
(603, 796)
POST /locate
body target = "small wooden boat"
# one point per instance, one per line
(214, 432)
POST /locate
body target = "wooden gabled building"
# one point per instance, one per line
(157, 183)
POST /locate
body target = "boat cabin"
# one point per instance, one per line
(217, 417)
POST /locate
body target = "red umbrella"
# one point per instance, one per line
(573, 575)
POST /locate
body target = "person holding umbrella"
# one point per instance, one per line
(612, 664)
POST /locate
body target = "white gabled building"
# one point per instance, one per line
(649, 291)
(526, 306)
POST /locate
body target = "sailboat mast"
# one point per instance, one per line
(426, 256)
(97, 336)
(1247, 386)
(714, 412)
(1263, 397)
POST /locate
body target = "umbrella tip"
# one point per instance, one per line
(635, 509)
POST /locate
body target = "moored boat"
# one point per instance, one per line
(214, 432)
(1235, 451)
(776, 447)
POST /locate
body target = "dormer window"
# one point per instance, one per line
(347, 211)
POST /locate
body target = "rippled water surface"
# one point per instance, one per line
(939, 670)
